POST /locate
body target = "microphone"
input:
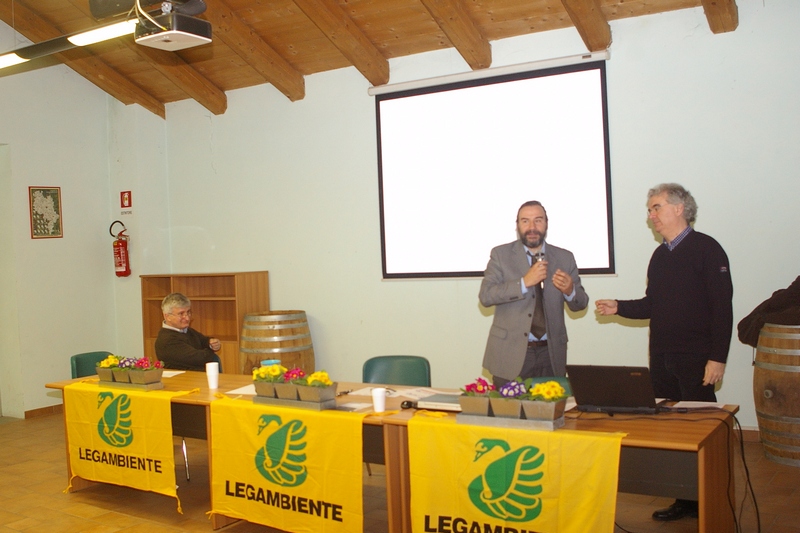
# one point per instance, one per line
(539, 256)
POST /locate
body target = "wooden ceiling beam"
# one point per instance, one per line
(173, 67)
(184, 76)
(461, 30)
(34, 27)
(254, 50)
(331, 19)
(590, 22)
(722, 15)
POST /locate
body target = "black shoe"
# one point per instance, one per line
(676, 511)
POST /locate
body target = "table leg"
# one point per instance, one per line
(76, 483)
(716, 491)
(398, 478)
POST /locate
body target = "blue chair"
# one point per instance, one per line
(397, 370)
(85, 364)
(390, 370)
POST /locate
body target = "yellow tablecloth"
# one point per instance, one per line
(121, 436)
(293, 469)
(478, 478)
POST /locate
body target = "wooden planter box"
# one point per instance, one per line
(506, 407)
(286, 391)
(122, 375)
(105, 374)
(539, 410)
(265, 388)
(144, 377)
(475, 405)
(317, 394)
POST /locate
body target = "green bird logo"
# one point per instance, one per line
(282, 458)
(510, 486)
(114, 426)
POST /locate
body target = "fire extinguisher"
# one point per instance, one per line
(122, 262)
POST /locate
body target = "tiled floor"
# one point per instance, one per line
(33, 478)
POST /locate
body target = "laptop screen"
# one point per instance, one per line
(612, 389)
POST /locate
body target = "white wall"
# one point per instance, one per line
(56, 292)
(292, 188)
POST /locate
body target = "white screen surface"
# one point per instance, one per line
(456, 163)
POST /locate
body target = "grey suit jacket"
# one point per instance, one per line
(501, 287)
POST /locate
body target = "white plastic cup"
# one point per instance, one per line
(212, 373)
(379, 399)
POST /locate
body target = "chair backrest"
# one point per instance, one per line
(397, 370)
(84, 364)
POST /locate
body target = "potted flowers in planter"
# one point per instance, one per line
(316, 387)
(544, 401)
(506, 401)
(288, 389)
(145, 371)
(104, 367)
(475, 398)
(265, 378)
(122, 370)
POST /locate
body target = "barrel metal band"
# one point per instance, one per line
(779, 368)
(781, 351)
(781, 460)
(298, 325)
(276, 339)
(293, 316)
(287, 349)
(781, 434)
(780, 446)
(777, 418)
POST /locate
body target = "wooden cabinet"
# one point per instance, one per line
(219, 303)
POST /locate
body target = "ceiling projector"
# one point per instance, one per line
(175, 31)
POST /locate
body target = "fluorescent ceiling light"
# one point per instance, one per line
(104, 33)
(10, 59)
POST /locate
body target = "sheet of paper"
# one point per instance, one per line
(413, 394)
(247, 389)
(698, 405)
(171, 373)
(353, 406)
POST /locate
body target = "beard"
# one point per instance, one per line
(532, 238)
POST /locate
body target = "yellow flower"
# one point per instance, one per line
(549, 390)
(320, 377)
(269, 373)
(109, 362)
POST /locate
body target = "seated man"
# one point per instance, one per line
(178, 346)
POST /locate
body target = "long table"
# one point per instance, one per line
(686, 455)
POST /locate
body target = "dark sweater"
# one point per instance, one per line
(688, 299)
(183, 351)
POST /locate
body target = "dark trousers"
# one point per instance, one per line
(537, 364)
(678, 376)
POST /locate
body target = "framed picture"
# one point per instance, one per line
(46, 219)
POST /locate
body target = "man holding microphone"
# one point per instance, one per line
(528, 282)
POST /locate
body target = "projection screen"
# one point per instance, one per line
(456, 161)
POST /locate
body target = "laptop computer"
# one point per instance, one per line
(612, 389)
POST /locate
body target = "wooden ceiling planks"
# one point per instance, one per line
(282, 41)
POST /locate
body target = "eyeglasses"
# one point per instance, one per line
(183, 314)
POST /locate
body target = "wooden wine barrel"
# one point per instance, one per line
(776, 390)
(280, 335)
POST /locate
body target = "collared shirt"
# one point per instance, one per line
(525, 289)
(530, 262)
(677, 240)
(164, 325)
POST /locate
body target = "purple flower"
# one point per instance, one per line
(512, 389)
